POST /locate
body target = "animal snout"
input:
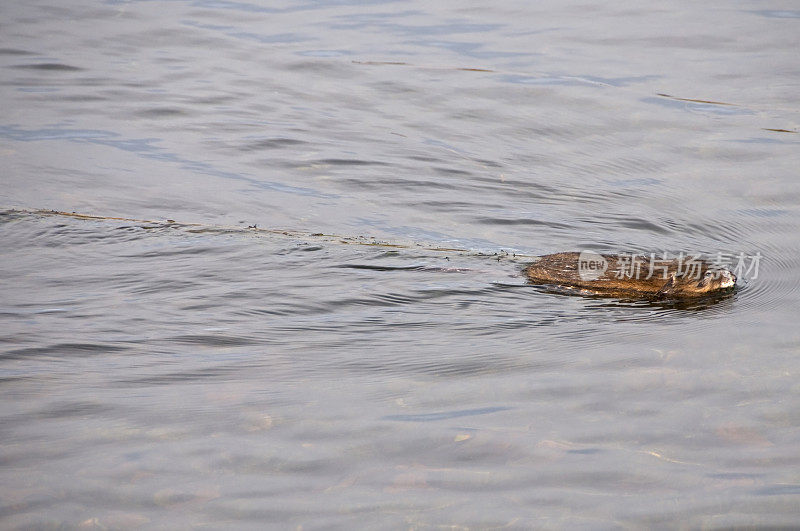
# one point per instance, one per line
(728, 279)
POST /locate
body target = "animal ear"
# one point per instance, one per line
(668, 287)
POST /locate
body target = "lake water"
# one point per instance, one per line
(261, 361)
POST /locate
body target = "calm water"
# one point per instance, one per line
(169, 375)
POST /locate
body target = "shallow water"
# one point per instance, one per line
(203, 373)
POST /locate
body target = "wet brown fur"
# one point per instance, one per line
(667, 279)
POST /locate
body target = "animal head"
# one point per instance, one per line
(712, 281)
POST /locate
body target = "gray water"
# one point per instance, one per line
(205, 374)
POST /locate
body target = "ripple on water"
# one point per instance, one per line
(402, 288)
(52, 67)
(63, 351)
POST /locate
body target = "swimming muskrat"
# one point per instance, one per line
(631, 275)
(624, 276)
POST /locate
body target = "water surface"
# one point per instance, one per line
(200, 373)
